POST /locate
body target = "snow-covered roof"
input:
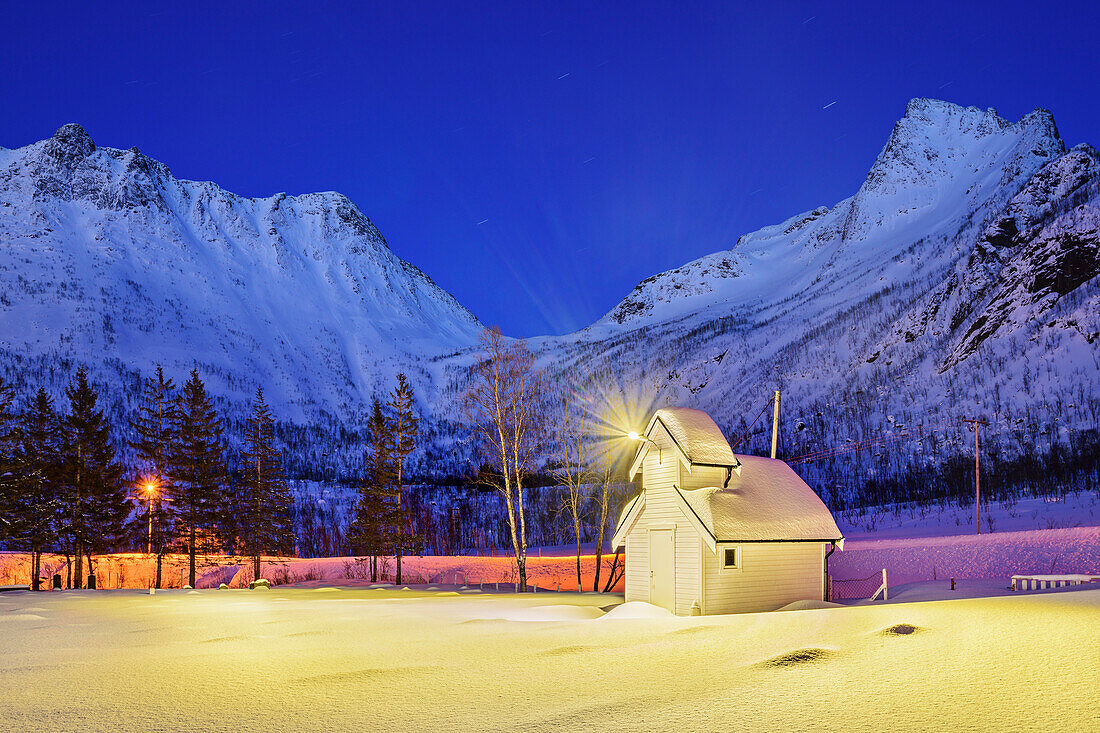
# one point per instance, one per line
(696, 434)
(767, 501)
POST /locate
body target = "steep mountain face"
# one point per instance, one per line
(961, 278)
(943, 167)
(108, 259)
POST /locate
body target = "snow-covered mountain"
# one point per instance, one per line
(107, 258)
(960, 278)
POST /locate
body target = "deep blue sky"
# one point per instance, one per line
(539, 159)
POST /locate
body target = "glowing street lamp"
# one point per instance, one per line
(150, 488)
(633, 435)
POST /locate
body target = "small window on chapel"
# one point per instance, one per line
(729, 557)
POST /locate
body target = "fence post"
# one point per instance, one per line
(885, 591)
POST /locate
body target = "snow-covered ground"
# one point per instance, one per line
(298, 659)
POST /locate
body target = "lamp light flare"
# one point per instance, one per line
(633, 435)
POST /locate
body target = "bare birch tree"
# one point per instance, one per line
(573, 470)
(503, 408)
(603, 476)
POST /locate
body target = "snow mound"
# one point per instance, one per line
(808, 605)
(21, 617)
(637, 609)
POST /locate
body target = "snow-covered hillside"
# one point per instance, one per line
(108, 259)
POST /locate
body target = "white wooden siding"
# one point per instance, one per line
(661, 471)
(772, 575)
(702, 477)
(637, 564)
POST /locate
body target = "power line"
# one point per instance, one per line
(871, 442)
(757, 419)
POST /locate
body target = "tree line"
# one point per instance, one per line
(63, 491)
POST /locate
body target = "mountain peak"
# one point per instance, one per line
(76, 138)
(942, 151)
(935, 118)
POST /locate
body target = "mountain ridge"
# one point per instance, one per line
(114, 226)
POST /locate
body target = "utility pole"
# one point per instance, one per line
(775, 423)
(977, 486)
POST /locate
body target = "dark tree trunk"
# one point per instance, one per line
(78, 572)
(191, 557)
(615, 573)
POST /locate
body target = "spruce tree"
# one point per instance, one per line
(197, 468)
(37, 496)
(404, 428)
(9, 471)
(93, 494)
(153, 427)
(262, 505)
(373, 531)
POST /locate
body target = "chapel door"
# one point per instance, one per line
(662, 569)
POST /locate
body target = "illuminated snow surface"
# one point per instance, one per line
(300, 659)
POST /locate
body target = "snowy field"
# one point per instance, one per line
(327, 659)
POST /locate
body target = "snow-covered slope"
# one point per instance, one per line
(942, 167)
(108, 259)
